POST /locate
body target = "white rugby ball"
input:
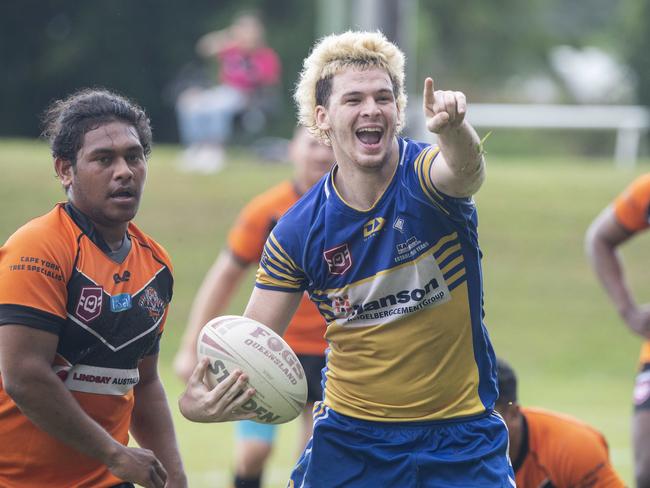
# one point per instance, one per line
(232, 342)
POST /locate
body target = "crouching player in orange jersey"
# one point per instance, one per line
(552, 450)
(306, 332)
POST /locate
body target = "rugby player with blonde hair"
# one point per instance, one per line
(386, 246)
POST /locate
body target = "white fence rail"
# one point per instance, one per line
(631, 122)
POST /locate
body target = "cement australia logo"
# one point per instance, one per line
(89, 306)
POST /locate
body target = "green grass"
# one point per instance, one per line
(545, 312)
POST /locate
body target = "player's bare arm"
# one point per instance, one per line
(26, 357)
(461, 170)
(211, 300)
(151, 422)
(272, 308)
(604, 237)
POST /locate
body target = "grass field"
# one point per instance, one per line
(545, 312)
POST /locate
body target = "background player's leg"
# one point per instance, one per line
(641, 436)
(253, 447)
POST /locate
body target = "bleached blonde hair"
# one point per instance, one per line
(336, 52)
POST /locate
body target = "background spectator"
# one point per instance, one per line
(249, 72)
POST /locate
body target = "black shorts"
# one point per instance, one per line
(642, 388)
(313, 364)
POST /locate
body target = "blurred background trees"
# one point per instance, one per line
(503, 50)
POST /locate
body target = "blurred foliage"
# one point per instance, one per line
(145, 48)
(477, 46)
(639, 40)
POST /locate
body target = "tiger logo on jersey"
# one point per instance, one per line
(152, 303)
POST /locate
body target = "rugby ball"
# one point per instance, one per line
(232, 342)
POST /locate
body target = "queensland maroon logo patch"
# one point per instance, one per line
(90, 303)
(339, 259)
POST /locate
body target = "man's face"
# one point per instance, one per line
(360, 117)
(107, 182)
(312, 158)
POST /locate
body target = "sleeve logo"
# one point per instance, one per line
(90, 303)
(338, 259)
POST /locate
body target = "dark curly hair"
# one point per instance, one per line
(66, 121)
(507, 382)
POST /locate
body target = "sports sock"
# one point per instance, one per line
(247, 483)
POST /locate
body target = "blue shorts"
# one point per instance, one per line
(347, 452)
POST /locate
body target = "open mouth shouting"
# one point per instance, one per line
(370, 137)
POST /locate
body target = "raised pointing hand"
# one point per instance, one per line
(442, 109)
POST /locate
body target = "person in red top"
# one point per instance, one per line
(305, 333)
(245, 62)
(249, 72)
(627, 216)
(550, 449)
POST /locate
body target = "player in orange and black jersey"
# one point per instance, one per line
(627, 216)
(306, 332)
(84, 294)
(549, 449)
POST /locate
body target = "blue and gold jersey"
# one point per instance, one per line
(401, 289)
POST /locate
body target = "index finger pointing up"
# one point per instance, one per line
(427, 96)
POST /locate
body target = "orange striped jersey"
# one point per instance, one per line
(246, 239)
(559, 451)
(632, 210)
(57, 274)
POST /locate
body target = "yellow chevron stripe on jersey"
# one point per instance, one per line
(451, 281)
(444, 240)
(271, 257)
(263, 278)
(273, 272)
(423, 169)
(278, 268)
(322, 305)
(452, 264)
(427, 163)
(447, 252)
(281, 254)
